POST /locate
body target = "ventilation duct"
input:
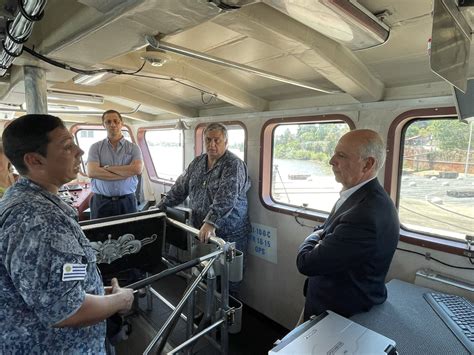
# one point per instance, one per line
(19, 30)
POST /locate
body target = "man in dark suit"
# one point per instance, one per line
(347, 258)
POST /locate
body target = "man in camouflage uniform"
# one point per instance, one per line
(51, 292)
(216, 183)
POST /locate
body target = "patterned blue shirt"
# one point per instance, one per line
(217, 196)
(103, 153)
(39, 234)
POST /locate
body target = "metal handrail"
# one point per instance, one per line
(213, 240)
(196, 337)
(206, 261)
(167, 327)
(149, 280)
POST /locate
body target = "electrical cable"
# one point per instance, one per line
(437, 260)
(139, 69)
(77, 70)
(13, 38)
(15, 44)
(29, 17)
(114, 71)
(406, 250)
(471, 260)
(169, 78)
(469, 248)
(301, 223)
(226, 7)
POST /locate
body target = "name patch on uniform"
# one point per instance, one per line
(74, 272)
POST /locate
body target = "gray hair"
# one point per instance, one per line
(373, 147)
(216, 127)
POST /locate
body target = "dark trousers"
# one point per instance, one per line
(105, 206)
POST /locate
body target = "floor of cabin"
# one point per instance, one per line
(257, 335)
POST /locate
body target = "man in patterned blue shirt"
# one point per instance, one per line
(216, 183)
(51, 292)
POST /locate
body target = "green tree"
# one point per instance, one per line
(284, 138)
(310, 142)
(449, 134)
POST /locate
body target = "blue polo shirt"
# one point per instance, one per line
(104, 153)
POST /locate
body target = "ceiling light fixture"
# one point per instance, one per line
(59, 107)
(7, 115)
(92, 80)
(154, 61)
(83, 98)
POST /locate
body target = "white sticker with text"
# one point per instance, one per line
(263, 242)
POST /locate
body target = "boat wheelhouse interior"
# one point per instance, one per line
(288, 78)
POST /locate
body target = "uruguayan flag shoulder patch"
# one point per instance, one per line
(74, 272)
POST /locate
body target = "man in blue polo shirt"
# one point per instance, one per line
(113, 165)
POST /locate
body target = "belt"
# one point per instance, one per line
(113, 198)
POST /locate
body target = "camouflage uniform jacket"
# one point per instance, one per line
(39, 241)
(217, 196)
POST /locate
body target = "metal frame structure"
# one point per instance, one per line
(221, 318)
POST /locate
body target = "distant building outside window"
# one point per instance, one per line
(436, 194)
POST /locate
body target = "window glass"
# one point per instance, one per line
(166, 148)
(236, 141)
(436, 194)
(86, 137)
(301, 174)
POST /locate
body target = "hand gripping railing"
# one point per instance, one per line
(225, 254)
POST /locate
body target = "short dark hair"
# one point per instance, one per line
(111, 111)
(27, 134)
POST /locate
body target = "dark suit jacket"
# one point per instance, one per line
(346, 268)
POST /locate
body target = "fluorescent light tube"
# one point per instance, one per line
(66, 96)
(92, 80)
